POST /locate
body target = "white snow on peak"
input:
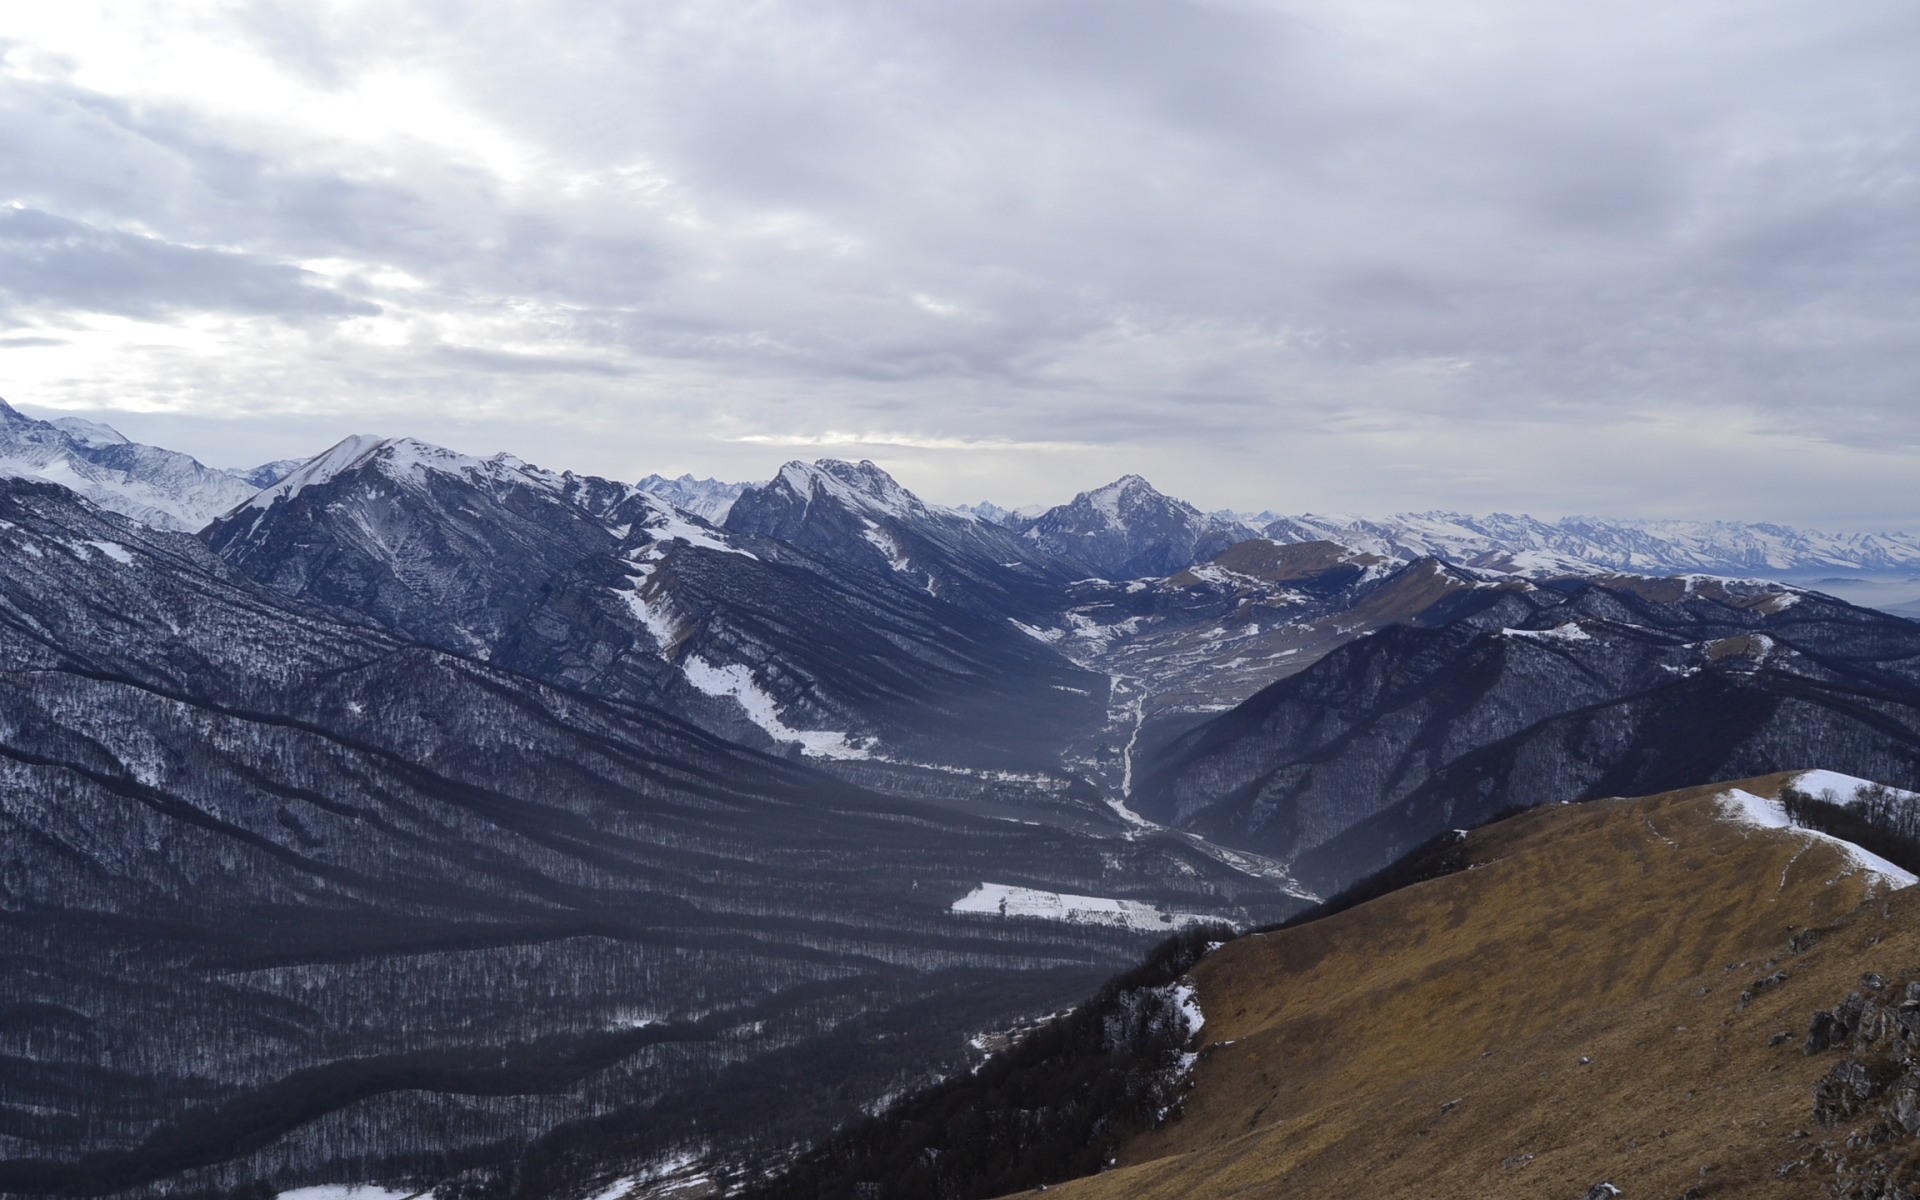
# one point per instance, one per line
(90, 434)
(160, 488)
(1110, 501)
(861, 486)
(1759, 812)
(707, 498)
(320, 468)
(407, 458)
(1530, 546)
(1006, 900)
(737, 681)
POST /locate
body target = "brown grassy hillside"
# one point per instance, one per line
(1566, 1012)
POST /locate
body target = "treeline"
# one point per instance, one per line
(1877, 819)
(1060, 1102)
(1054, 1106)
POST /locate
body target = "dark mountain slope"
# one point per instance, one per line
(1560, 691)
(604, 588)
(287, 899)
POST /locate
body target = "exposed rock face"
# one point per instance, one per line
(1870, 1098)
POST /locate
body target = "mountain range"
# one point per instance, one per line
(1122, 531)
(402, 815)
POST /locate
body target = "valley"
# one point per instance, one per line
(451, 823)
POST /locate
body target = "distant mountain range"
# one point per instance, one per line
(1574, 544)
(707, 498)
(1125, 530)
(161, 488)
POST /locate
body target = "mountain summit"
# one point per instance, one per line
(1129, 530)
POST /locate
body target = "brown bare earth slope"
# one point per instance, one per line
(1436, 1042)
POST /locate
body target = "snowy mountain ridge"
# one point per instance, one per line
(709, 498)
(160, 488)
(1527, 545)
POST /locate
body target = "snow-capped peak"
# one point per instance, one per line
(90, 434)
(319, 469)
(1527, 545)
(401, 458)
(161, 488)
(1118, 500)
(709, 498)
(861, 486)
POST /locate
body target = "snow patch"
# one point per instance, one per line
(737, 681)
(345, 1191)
(1049, 636)
(1005, 900)
(1841, 789)
(882, 541)
(113, 550)
(656, 614)
(668, 1175)
(1759, 812)
(1186, 1001)
(668, 523)
(1569, 632)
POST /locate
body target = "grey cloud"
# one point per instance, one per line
(48, 261)
(1160, 225)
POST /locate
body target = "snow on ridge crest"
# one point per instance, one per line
(404, 456)
(862, 486)
(319, 469)
(1761, 812)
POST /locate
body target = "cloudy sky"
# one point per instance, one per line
(1642, 258)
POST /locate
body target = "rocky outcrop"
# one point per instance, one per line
(1869, 1100)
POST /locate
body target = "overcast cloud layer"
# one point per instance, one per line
(1639, 259)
